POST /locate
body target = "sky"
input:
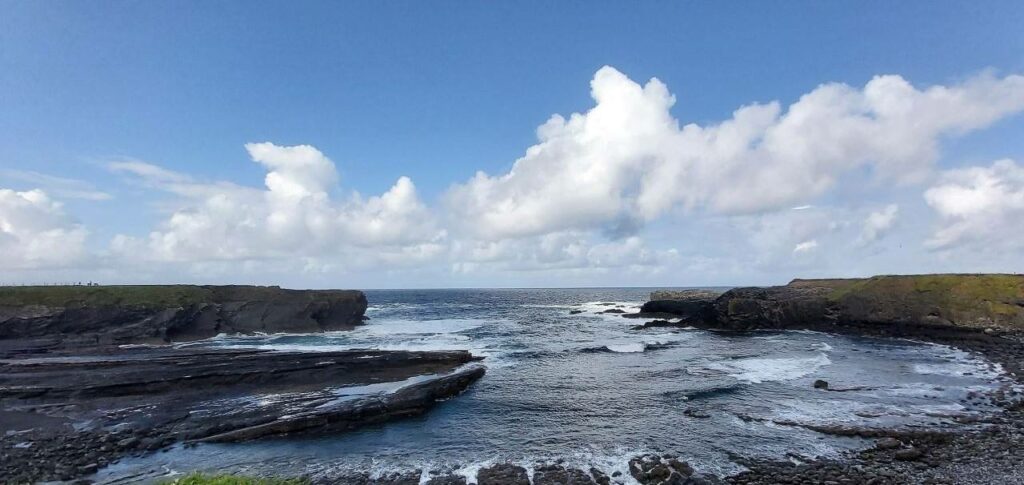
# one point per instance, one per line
(508, 144)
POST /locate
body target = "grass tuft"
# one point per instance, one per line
(225, 479)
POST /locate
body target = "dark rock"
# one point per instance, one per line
(34, 319)
(575, 312)
(888, 443)
(503, 474)
(614, 310)
(694, 413)
(821, 384)
(921, 305)
(165, 395)
(661, 316)
(654, 469)
(447, 480)
(909, 454)
(689, 309)
(684, 295)
(559, 475)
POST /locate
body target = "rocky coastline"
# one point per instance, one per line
(89, 375)
(62, 317)
(983, 314)
(52, 379)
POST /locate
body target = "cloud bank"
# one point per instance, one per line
(586, 196)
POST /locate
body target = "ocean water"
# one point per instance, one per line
(590, 390)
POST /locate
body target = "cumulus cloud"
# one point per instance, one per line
(293, 217)
(979, 205)
(558, 250)
(627, 160)
(35, 232)
(759, 192)
(877, 224)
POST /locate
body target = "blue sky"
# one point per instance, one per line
(436, 91)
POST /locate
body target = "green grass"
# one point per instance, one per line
(957, 291)
(206, 479)
(964, 298)
(134, 295)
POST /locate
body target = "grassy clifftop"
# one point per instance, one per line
(133, 295)
(148, 296)
(975, 300)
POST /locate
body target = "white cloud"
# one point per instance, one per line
(558, 250)
(760, 193)
(36, 233)
(148, 171)
(628, 161)
(806, 246)
(979, 205)
(60, 186)
(877, 224)
(295, 217)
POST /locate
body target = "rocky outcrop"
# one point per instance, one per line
(692, 294)
(63, 417)
(687, 304)
(915, 305)
(895, 305)
(76, 316)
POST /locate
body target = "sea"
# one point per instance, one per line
(567, 381)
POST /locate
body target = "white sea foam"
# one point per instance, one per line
(627, 348)
(412, 327)
(958, 363)
(757, 370)
(596, 307)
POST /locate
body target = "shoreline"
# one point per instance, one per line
(977, 451)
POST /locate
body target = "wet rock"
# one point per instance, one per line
(888, 444)
(694, 413)
(408, 478)
(146, 399)
(447, 480)
(909, 454)
(575, 312)
(559, 475)
(503, 474)
(600, 477)
(614, 310)
(654, 469)
(821, 384)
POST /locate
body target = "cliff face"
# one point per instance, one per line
(897, 303)
(110, 315)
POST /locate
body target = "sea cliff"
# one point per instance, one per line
(905, 305)
(72, 316)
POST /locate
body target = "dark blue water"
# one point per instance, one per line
(589, 389)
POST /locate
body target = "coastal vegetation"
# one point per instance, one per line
(206, 479)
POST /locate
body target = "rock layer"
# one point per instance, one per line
(914, 305)
(63, 417)
(78, 316)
